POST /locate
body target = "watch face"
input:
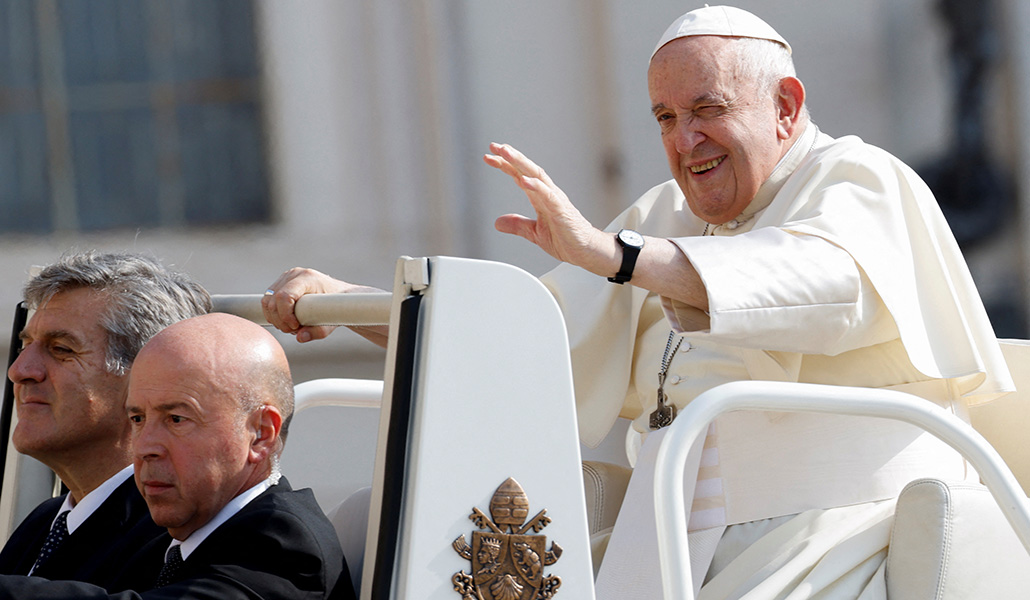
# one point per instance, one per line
(631, 238)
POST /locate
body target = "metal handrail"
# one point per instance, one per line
(694, 420)
(360, 309)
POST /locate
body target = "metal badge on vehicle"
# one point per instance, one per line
(507, 566)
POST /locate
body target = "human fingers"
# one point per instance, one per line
(500, 159)
(515, 225)
(502, 165)
(317, 332)
(280, 299)
(278, 307)
(520, 163)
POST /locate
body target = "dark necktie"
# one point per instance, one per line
(171, 567)
(53, 539)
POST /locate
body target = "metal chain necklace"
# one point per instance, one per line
(664, 414)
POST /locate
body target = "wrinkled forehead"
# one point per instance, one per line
(78, 312)
(699, 52)
(700, 65)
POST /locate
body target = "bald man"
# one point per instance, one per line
(209, 403)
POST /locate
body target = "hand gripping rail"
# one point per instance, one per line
(360, 309)
(694, 419)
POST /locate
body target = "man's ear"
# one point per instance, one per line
(790, 102)
(267, 422)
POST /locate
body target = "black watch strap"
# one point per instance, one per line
(631, 243)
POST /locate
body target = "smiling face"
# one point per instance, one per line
(722, 133)
(68, 404)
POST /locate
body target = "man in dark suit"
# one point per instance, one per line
(209, 402)
(93, 313)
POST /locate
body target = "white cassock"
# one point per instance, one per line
(841, 271)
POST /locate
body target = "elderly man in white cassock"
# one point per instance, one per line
(775, 253)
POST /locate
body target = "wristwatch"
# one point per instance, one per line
(631, 243)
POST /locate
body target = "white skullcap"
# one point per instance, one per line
(720, 20)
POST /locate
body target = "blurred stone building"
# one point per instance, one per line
(239, 138)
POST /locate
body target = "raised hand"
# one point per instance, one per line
(559, 228)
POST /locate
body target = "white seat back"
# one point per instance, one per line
(479, 389)
(350, 519)
(332, 439)
(950, 541)
(331, 449)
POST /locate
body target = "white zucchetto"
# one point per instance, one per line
(726, 21)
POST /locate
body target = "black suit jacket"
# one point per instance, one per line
(96, 552)
(280, 545)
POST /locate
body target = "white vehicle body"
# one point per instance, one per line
(477, 390)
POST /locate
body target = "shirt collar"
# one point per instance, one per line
(234, 506)
(81, 510)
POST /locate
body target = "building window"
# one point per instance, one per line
(129, 113)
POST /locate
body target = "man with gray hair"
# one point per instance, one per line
(93, 312)
(209, 401)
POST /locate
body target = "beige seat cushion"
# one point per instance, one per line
(1005, 421)
(951, 541)
(604, 485)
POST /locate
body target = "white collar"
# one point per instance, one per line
(81, 510)
(783, 169)
(234, 506)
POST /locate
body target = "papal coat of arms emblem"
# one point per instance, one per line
(507, 564)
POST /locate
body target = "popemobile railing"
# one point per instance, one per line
(359, 309)
(694, 419)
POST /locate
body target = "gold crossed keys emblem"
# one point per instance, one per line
(507, 566)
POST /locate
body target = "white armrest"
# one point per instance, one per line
(366, 393)
(694, 419)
